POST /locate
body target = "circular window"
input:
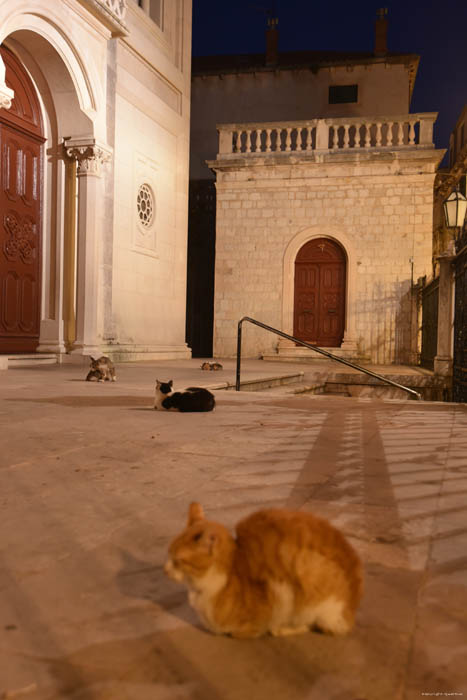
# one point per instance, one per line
(145, 205)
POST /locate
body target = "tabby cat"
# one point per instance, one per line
(193, 399)
(105, 366)
(284, 573)
(95, 374)
(211, 366)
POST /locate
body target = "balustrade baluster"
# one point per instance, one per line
(298, 142)
(389, 135)
(411, 133)
(268, 140)
(288, 139)
(258, 145)
(346, 135)
(400, 140)
(248, 141)
(335, 138)
(308, 142)
(238, 142)
(356, 143)
(378, 134)
(368, 135)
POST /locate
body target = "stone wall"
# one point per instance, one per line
(378, 206)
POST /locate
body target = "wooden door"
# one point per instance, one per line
(319, 299)
(20, 213)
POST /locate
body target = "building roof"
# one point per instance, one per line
(297, 60)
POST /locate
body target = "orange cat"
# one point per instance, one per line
(285, 573)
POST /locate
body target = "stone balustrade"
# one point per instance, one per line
(330, 135)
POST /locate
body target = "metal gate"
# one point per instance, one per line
(430, 294)
(459, 378)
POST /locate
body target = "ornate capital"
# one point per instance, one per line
(89, 154)
(111, 13)
(6, 93)
(6, 97)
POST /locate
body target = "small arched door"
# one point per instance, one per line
(319, 293)
(21, 139)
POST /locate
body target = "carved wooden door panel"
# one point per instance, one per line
(20, 214)
(319, 301)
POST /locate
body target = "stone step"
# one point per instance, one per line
(296, 389)
(28, 360)
(261, 383)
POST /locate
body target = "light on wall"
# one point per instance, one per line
(455, 207)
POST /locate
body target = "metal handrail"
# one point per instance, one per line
(414, 393)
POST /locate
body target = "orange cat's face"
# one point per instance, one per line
(200, 546)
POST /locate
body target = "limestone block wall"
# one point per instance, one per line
(377, 206)
(152, 109)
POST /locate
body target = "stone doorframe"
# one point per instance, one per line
(57, 67)
(288, 276)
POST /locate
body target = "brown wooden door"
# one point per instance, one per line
(20, 213)
(319, 300)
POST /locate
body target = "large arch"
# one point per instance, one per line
(72, 96)
(288, 276)
(30, 27)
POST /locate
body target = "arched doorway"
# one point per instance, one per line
(21, 139)
(319, 293)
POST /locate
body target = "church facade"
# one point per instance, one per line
(94, 129)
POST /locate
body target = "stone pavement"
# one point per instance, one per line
(94, 484)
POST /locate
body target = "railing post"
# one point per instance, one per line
(239, 355)
(322, 135)
(425, 137)
(225, 140)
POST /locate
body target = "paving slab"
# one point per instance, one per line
(94, 484)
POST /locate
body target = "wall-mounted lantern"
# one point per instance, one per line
(455, 207)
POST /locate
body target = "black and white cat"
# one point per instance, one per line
(195, 398)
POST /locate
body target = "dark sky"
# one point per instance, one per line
(434, 29)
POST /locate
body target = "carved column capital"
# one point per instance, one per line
(6, 93)
(6, 97)
(89, 154)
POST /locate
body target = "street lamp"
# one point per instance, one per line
(455, 207)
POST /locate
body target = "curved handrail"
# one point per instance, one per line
(414, 393)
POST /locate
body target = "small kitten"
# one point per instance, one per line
(212, 366)
(190, 400)
(96, 374)
(284, 573)
(106, 366)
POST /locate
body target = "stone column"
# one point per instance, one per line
(90, 156)
(443, 359)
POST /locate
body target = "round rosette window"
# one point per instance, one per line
(146, 206)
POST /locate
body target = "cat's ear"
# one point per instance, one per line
(195, 512)
(170, 383)
(157, 384)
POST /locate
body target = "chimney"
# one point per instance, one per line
(381, 32)
(272, 38)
